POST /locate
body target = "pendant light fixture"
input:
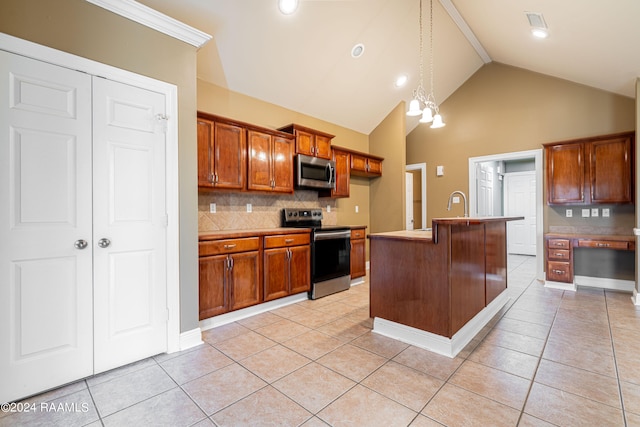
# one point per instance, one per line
(431, 112)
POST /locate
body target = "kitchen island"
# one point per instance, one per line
(437, 288)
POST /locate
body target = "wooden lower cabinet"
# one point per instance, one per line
(236, 273)
(287, 265)
(358, 253)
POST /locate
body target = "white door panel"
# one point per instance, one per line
(129, 211)
(45, 188)
(520, 192)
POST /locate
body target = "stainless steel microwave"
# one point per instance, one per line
(314, 172)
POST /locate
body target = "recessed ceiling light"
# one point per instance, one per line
(540, 33)
(287, 7)
(401, 80)
(357, 50)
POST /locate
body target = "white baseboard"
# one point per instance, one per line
(234, 316)
(449, 347)
(605, 283)
(560, 285)
(190, 339)
(635, 298)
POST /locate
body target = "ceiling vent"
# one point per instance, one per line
(536, 20)
(538, 26)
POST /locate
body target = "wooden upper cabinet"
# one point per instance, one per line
(270, 162)
(565, 173)
(610, 170)
(342, 161)
(366, 165)
(595, 170)
(309, 141)
(221, 155)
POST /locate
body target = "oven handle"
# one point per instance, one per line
(331, 235)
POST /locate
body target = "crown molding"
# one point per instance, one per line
(151, 18)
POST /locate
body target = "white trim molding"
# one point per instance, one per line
(636, 298)
(449, 347)
(234, 316)
(560, 285)
(190, 339)
(151, 18)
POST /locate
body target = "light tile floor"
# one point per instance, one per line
(548, 358)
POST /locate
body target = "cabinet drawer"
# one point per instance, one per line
(559, 271)
(558, 243)
(282, 240)
(607, 244)
(558, 254)
(228, 246)
(357, 234)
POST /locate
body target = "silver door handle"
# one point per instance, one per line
(103, 243)
(80, 244)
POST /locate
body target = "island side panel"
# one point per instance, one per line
(467, 274)
(496, 251)
(408, 282)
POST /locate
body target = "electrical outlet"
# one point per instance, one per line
(569, 213)
(328, 208)
(212, 207)
(249, 208)
(585, 213)
(605, 212)
(594, 212)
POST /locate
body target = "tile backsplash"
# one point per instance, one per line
(231, 209)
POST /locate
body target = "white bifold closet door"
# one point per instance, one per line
(82, 225)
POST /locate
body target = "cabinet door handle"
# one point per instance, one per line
(230, 246)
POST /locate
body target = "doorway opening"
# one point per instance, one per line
(416, 197)
(489, 196)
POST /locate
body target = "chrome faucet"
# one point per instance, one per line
(464, 198)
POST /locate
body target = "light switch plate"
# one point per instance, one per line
(212, 207)
(585, 213)
(439, 170)
(605, 212)
(328, 208)
(569, 213)
(594, 212)
(357, 208)
(249, 208)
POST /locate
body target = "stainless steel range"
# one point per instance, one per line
(330, 251)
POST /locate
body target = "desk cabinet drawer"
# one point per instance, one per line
(559, 243)
(606, 244)
(558, 254)
(559, 271)
(228, 246)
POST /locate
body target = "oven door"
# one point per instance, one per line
(331, 255)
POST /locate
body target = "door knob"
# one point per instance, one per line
(80, 244)
(103, 243)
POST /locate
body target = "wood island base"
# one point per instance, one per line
(449, 347)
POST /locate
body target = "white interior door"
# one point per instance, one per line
(129, 224)
(485, 189)
(520, 200)
(409, 200)
(45, 206)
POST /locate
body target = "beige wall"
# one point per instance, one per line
(220, 101)
(388, 192)
(83, 29)
(502, 109)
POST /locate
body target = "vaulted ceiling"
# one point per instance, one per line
(303, 61)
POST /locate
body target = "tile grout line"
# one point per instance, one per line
(615, 362)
